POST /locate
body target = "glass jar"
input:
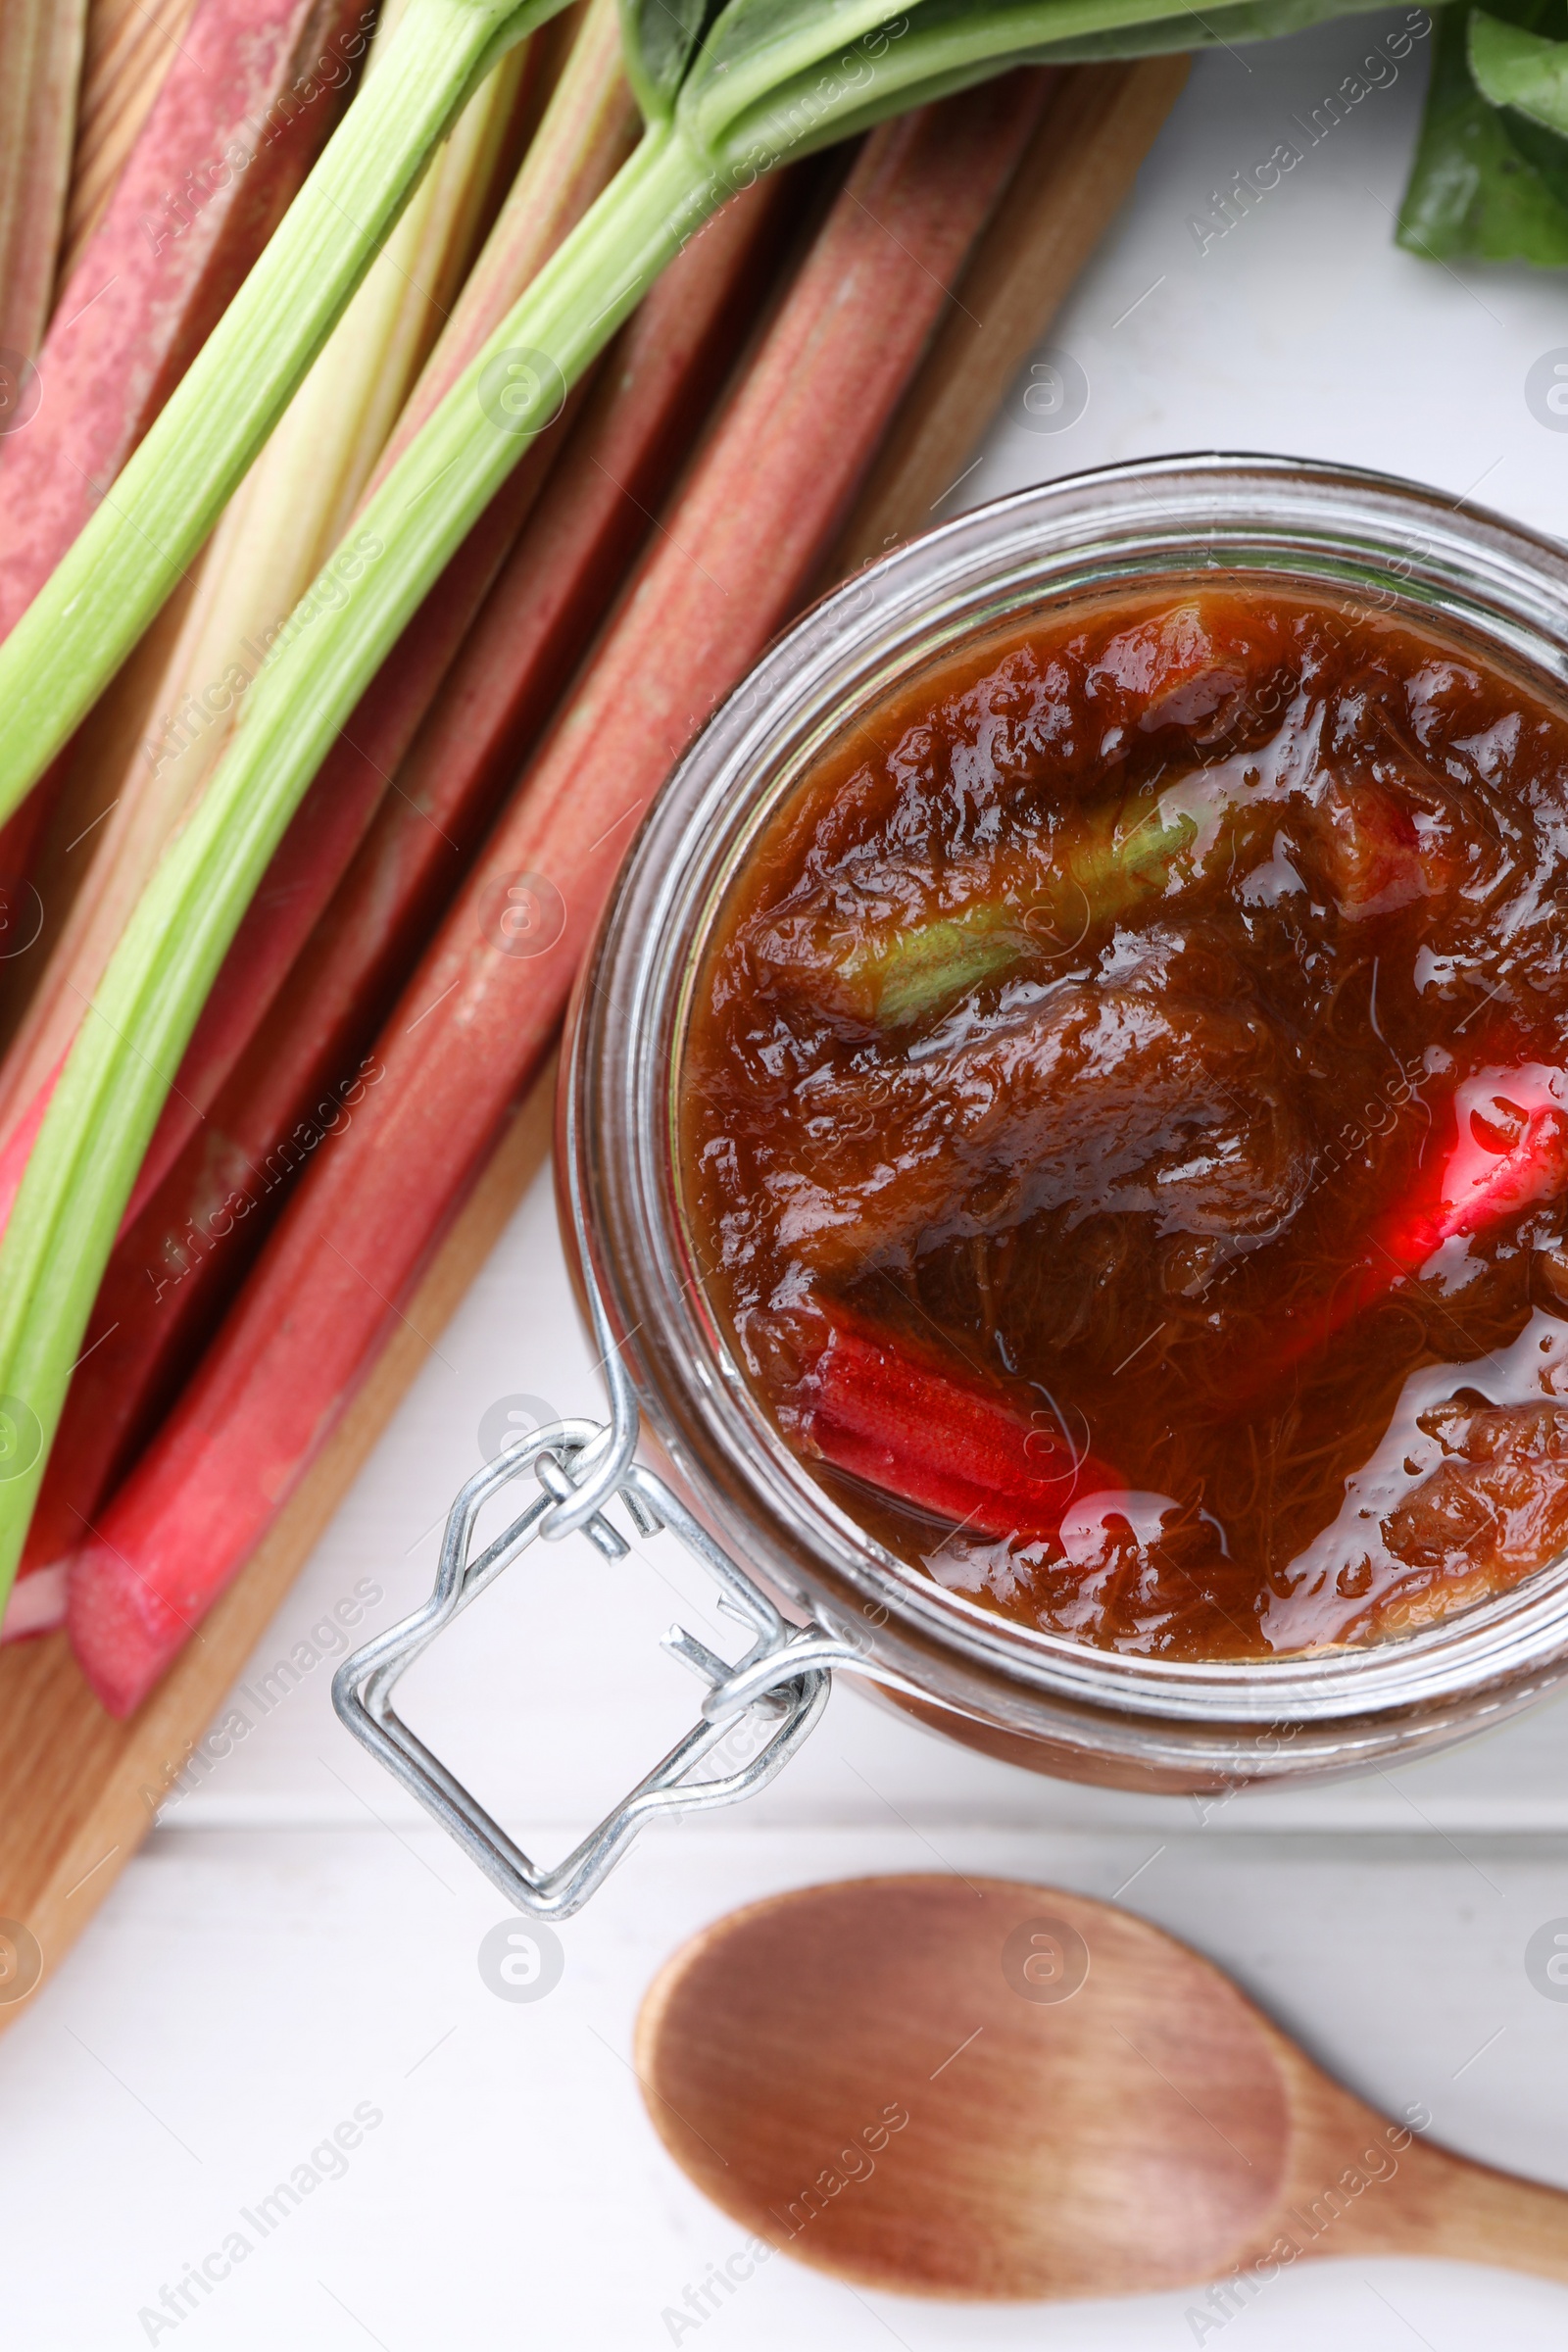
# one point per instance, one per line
(1037, 1698)
(815, 1590)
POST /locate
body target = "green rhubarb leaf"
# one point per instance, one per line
(1513, 66)
(658, 38)
(1474, 194)
(1526, 78)
(774, 77)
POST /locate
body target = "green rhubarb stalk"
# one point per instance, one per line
(916, 971)
(74, 635)
(115, 1081)
(727, 94)
(286, 518)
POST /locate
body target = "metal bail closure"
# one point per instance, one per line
(781, 1684)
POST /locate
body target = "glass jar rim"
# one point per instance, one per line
(1401, 547)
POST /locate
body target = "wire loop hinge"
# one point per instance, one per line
(780, 1686)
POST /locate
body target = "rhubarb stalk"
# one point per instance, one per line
(588, 133)
(129, 50)
(476, 1020)
(40, 63)
(942, 1446)
(286, 518)
(1082, 161)
(225, 148)
(585, 135)
(298, 1085)
(1509, 1152)
(112, 580)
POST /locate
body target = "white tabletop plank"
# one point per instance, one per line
(243, 1995)
(295, 1942)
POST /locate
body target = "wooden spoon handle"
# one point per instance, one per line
(1462, 2212)
(1357, 2184)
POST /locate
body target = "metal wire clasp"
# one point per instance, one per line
(781, 1682)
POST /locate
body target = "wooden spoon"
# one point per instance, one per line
(980, 2088)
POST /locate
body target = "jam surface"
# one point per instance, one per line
(1125, 1123)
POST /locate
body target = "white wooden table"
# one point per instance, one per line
(294, 1946)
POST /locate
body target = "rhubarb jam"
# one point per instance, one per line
(1125, 1123)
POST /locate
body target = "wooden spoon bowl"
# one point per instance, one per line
(982, 2089)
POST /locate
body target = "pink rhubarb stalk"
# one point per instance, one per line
(245, 110)
(227, 146)
(945, 1447)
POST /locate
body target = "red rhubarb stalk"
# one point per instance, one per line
(129, 48)
(586, 131)
(551, 595)
(183, 1256)
(318, 845)
(1509, 1151)
(283, 523)
(479, 1018)
(949, 1448)
(245, 110)
(20, 1141)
